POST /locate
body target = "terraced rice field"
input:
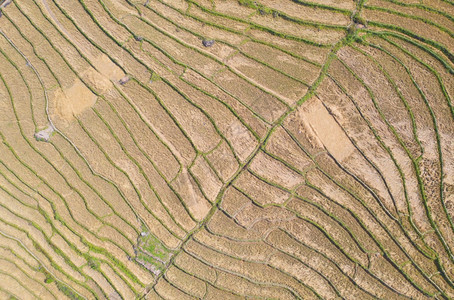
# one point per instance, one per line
(226, 149)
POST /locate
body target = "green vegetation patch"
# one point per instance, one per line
(154, 77)
(152, 253)
(68, 292)
(263, 10)
(93, 263)
(359, 20)
(49, 278)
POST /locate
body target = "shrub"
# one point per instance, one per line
(68, 292)
(155, 77)
(93, 263)
(359, 20)
(49, 280)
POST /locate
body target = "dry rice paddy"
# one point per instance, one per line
(226, 149)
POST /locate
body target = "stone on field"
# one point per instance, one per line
(208, 43)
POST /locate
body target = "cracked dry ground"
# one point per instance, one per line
(183, 149)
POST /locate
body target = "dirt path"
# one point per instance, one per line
(5, 4)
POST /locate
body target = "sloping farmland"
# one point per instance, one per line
(226, 149)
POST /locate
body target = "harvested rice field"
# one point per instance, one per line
(226, 149)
